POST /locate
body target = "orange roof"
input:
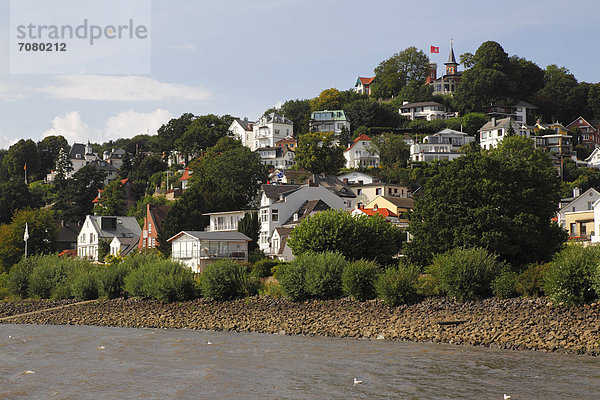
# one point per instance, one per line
(123, 181)
(185, 176)
(381, 211)
(358, 139)
(366, 81)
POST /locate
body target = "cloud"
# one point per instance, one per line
(6, 142)
(123, 125)
(12, 92)
(185, 47)
(122, 88)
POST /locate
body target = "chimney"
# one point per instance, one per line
(493, 121)
(576, 192)
(346, 181)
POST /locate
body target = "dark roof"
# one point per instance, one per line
(451, 58)
(400, 201)
(77, 148)
(158, 214)
(333, 184)
(247, 125)
(68, 232)
(421, 104)
(273, 191)
(103, 165)
(283, 234)
(522, 103)
(306, 209)
(209, 235)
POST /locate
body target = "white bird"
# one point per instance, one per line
(357, 382)
(209, 342)
(506, 397)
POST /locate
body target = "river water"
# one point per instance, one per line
(83, 362)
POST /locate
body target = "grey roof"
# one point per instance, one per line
(273, 191)
(280, 119)
(522, 103)
(451, 58)
(499, 123)
(449, 131)
(307, 208)
(247, 125)
(103, 165)
(283, 234)
(127, 227)
(209, 235)
(77, 148)
(421, 104)
(333, 184)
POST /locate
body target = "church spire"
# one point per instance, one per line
(451, 58)
(451, 65)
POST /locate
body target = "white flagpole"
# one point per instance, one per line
(26, 237)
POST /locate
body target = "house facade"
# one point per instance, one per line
(494, 131)
(443, 145)
(398, 205)
(270, 129)
(590, 135)
(428, 110)
(365, 193)
(104, 228)
(363, 85)
(279, 157)
(450, 81)
(226, 221)
(577, 216)
(329, 121)
(360, 153)
(242, 130)
(356, 177)
(196, 249)
(522, 112)
(155, 215)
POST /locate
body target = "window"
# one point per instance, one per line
(359, 192)
(149, 228)
(573, 229)
(264, 215)
(275, 215)
(378, 191)
(582, 229)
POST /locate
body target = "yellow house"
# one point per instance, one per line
(580, 224)
(557, 127)
(398, 205)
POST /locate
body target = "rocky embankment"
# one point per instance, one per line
(522, 324)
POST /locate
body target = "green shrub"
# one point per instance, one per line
(225, 280)
(161, 280)
(569, 278)
(291, 279)
(86, 286)
(19, 276)
(256, 255)
(504, 286)
(397, 286)
(270, 289)
(466, 274)
(323, 277)
(50, 277)
(4, 286)
(112, 280)
(530, 282)
(262, 268)
(428, 285)
(358, 279)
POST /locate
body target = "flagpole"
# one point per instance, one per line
(25, 168)
(26, 237)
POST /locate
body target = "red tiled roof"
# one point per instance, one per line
(185, 176)
(68, 253)
(381, 211)
(358, 139)
(366, 81)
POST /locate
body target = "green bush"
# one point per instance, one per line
(112, 280)
(256, 255)
(86, 286)
(569, 278)
(4, 286)
(530, 282)
(161, 280)
(291, 279)
(19, 276)
(466, 274)
(225, 280)
(358, 279)
(50, 276)
(262, 268)
(323, 277)
(428, 285)
(504, 286)
(270, 289)
(397, 286)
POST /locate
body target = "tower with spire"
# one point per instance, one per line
(449, 82)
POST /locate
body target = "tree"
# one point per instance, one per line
(112, 200)
(526, 78)
(594, 100)
(172, 130)
(391, 75)
(14, 196)
(19, 154)
(329, 99)
(502, 200)
(42, 230)
(204, 132)
(249, 225)
(298, 111)
(75, 195)
(317, 153)
(392, 149)
(371, 113)
(50, 149)
(466, 60)
(562, 98)
(362, 237)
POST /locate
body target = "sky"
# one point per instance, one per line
(243, 57)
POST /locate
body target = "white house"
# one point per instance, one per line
(270, 129)
(329, 121)
(443, 145)
(495, 130)
(593, 160)
(363, 85)
(105, 228)
(114, 157)
(428, 110)
(361, 154)
(196, 249)
(79, 155)
(121, 246)
(279, 157)
(279, 203)
(367, 192)
(580, 205)
(357, 177)
(242, 130)
(226, 221)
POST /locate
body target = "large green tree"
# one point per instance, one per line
(14, 196)
(19, 154)
(50, 149)
(203, 132)
(173, 130)
(371, 113)
(502, 200)
(562, 98)
(318, 153)
(391, 75)
(361, 237)
(75, 195)
(298, 111)
(328, 99)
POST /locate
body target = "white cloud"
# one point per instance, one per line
(130, 123)
(123, 125)
(12, 92)
(122, 88)
(185, 47)
(6, 142)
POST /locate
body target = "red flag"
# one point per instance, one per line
(435, 49)
(25, 167)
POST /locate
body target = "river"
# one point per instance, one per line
(84, 362)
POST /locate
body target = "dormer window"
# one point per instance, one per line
(295, 216)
